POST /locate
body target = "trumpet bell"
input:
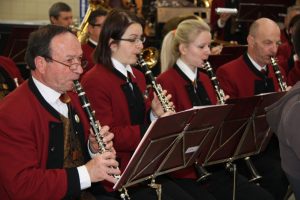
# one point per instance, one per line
(150, 56)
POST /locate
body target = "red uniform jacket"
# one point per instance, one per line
(88, 50)
(283, 55)
(284, 36)
(31, 138)
(239, 77)
(104, 89)
(175, 83)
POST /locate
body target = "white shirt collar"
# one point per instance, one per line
(121, 68)
(50, 95)
(93, 42)
(186, 70)
(256, 65)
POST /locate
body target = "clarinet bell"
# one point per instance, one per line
(202, 173)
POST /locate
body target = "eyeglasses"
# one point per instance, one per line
(72, 62)
(97, 25)
(142, 39)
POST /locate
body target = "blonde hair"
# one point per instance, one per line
(185, 33)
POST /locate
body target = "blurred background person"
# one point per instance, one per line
(95, 23)
(292, 11)
(224, 26)
(287, 58)
(60, 14)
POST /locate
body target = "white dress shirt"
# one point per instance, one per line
(192, 75)
(256, 65)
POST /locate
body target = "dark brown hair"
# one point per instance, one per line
(115, 25)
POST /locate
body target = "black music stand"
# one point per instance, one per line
(230, 131)
(258, 133)
(244, 131)
(249, 12)
(172, 143)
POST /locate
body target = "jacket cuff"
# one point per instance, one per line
(73, 187)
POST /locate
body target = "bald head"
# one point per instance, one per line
(263, 25)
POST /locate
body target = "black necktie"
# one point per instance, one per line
(129, 80)
(263, 71)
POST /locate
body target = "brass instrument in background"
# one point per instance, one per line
(150, 55)
(281, 82)
(82, 32)
(146, 60)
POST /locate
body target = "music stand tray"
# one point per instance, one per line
(172, 143)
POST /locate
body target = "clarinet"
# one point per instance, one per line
(95, 126)
(157, 87)
(281, 82)
(219, 91)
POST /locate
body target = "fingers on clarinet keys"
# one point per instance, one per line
(102, 166)
(168, 99)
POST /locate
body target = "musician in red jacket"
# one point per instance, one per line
(117, 92)
(184, 51)
(252, 74)
(44, 151)
(95, 23)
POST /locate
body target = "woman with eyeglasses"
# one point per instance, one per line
(183, 54)
(116, 92)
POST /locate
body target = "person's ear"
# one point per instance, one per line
(250, 40)
(53, 20)
(40, 64)
(182, 48)
(113, 46)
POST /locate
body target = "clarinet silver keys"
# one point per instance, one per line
(281, 82)
(156, 87)
(219, 91)
(96, 128)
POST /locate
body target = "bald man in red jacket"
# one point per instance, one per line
(252, 74)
